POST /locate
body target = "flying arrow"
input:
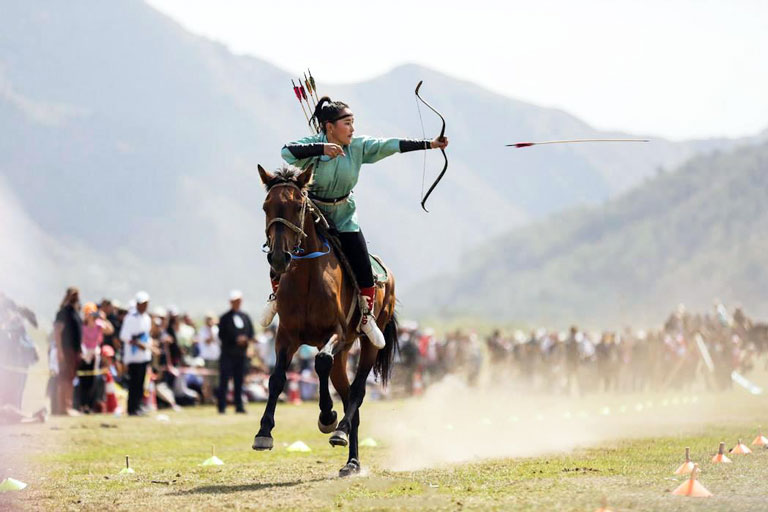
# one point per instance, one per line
(526, 144)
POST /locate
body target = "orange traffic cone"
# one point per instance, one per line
(692, 487)
(740, 448)
(604, 506)
(720, 457)
(109, 388)
(760, 440)
(293, 390)
(687, 466)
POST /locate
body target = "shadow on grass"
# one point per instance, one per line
(228, 489)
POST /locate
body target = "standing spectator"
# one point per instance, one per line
(68, 333)
(235, 333)
(134, 335)
(209, 348)
(109, 310)
(171, 356)
(95, 327)
(16, 350)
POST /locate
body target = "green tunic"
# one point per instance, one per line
(338, 176)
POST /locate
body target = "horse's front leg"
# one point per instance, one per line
(323, 364)
(346, 432)
(263, 439)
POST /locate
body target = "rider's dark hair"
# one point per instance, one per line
(328, 111)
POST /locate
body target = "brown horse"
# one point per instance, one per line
(317, 306)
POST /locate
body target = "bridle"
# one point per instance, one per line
(306, 205)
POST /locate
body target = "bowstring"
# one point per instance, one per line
(423, 136)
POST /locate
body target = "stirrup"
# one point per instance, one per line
(269, 311)
(371, 330)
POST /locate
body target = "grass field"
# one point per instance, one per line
(73, 463)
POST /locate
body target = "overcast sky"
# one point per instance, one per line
(676, 68)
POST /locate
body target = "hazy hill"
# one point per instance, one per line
(692, 235)
(132, 145)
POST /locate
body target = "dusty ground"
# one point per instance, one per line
(73, 463)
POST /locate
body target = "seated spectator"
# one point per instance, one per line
(209, 349)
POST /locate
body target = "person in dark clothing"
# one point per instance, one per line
(110, 314)
(68, 333)
(235, 333)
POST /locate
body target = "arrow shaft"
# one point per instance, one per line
(571, 141)
(303, 96)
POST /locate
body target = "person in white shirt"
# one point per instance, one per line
(137, 352)
(209, 349)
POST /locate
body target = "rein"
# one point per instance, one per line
(306, 204)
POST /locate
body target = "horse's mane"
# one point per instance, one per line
(285, 174)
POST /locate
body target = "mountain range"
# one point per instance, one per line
(694, 235)
(128, 149)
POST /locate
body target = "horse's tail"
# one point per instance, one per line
(384, 359)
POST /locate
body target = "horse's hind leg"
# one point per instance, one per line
(323, 364)
(263, 439)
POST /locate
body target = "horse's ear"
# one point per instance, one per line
(265, 175)
(305, 177)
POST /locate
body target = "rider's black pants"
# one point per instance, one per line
(356, 250)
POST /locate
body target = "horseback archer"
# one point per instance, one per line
(337, 156)
(319, 302)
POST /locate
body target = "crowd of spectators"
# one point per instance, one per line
(160, 356)
(702, 350)
(163, 357)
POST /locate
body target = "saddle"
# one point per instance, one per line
(327, 229)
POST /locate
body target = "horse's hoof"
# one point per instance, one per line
(351, 468)
(339, 438)
(263, 443)
(327, 429)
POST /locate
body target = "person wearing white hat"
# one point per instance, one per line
(134, 334)
(235, 333)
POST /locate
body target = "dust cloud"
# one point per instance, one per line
(453, 422)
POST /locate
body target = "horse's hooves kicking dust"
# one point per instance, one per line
(331, 426)
(332, 313)
(339, 438)
(263, 443)
(351, 468)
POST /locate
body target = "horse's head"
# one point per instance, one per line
(285, 208)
